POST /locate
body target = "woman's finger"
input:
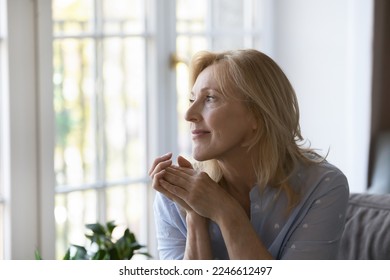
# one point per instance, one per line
(165, 158)
(159, 160)
(184, 172)
(167, 190)
(173, 189)
(176, 177)
(183, 162)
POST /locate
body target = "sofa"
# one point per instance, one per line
(367, 230)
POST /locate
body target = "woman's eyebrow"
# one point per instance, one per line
(205, 90)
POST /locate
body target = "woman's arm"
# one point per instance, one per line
(242, 242)
(198, 245)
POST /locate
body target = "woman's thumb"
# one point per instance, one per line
(184, 162)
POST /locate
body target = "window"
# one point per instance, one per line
(99, 80)
(104, 105)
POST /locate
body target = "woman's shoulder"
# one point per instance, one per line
(322, 175)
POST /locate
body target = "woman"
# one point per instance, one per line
(255, 192)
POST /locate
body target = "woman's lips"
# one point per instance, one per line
(199, 133)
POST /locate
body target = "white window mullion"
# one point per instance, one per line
(161, 85)
(100, 113)
(148, 227)
(161, 92)
(46, 128)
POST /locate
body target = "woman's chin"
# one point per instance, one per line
(200, 156)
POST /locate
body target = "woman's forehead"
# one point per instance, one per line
(206, 78)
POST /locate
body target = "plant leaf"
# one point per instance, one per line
(114, 254)
(99, 255)
(38, 256)
(136, 246)
(81, 253)
(67, 255)
(97, 228)
(110, 226)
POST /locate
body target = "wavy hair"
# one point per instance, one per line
(269, 95)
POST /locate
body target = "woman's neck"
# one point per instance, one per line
(239, 174)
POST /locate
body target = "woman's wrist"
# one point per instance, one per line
(198, 239)
(229, 212)
(194, 218)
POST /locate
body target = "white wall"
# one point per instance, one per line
(324, 46)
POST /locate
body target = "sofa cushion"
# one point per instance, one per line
(367, 230)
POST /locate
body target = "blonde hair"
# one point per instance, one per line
(271, 98)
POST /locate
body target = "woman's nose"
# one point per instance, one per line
(192, 114)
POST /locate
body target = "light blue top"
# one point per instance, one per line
(311, 231)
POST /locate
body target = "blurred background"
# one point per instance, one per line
(91, 91)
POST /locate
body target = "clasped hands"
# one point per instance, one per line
(193, 190)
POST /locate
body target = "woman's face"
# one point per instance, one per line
(221, 125)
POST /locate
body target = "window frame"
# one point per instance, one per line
(158, 112)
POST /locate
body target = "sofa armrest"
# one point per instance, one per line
(367, 229)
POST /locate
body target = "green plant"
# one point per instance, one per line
(104, 246)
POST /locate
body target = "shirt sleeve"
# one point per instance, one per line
(317, 233)
(170, 229)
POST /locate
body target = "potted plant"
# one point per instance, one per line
(104, 246)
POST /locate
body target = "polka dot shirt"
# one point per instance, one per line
(312, 229)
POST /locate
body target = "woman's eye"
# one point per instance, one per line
(210, 98)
